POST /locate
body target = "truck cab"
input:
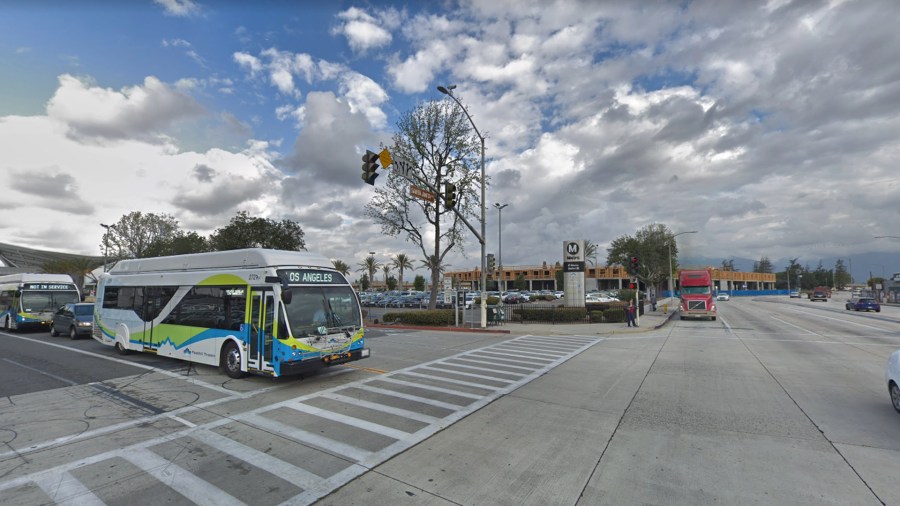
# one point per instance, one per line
(697, 300)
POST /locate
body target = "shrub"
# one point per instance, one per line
(430, 318)
(553, 314)
(491, 301)
(614, 315)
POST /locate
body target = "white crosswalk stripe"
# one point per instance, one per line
(416, 402)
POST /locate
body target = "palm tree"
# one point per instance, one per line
(341, 266)
(369, 265)
(590, 252)
(77, 267)
(386, 269)
(401, 262)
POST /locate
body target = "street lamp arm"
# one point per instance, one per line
(449, 93)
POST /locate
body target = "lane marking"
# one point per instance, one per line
(145, 367)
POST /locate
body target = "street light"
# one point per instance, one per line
(671, 281)
(449, 92)
(500, 207)
(105, 243)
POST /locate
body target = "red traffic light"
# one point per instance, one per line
(632, 286)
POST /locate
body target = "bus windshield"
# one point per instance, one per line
(695, 290)
(332, 307)
(36, 301)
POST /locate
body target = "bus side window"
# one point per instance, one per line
(111, 297)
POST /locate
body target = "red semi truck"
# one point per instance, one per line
(697, 300)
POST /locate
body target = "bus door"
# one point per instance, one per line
(262, 323)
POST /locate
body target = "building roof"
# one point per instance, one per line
(15, 259)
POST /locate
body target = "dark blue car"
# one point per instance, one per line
(73, 320)
(864, 304)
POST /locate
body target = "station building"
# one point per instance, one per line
(543, 277)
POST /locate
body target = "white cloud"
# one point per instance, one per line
(136, 111)
(364, 31)
(179, 8)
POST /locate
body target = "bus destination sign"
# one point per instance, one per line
(311, 277)
(48, 286)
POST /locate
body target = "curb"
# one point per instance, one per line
(441, 329)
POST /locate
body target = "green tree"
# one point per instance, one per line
(134, 234)
(651, 245)
(391, 283)
(419, 283)
(520, 282)
(560, 276)
(244, 231)
(436, 138)
(728, 265)
(401, 262)
(364, 282)
(764, 265)
(841, 275)
(369, 266)
(341, 266)
(179, 243)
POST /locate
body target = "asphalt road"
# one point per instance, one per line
(778, 402)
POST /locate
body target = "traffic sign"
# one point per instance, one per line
(404, 168)
(421, 193)
(385, 158)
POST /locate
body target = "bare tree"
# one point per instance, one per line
(437, 138)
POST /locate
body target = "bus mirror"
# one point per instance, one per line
(287, 295)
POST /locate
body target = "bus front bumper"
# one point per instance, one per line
(300, 367)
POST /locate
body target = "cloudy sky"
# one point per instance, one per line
(771, 128)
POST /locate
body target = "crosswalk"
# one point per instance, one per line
(299, 450)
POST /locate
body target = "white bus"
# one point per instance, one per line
(29, 300)
(257, 311)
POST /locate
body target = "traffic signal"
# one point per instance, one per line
(631, 286)
(491, 261)
(449, 195)
(634, 266)
(370, 164)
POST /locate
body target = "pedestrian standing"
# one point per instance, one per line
(629, 314)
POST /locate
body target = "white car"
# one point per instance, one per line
(892, 378)
(723, 296)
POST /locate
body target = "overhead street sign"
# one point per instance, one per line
(421, 193)
(404, 168)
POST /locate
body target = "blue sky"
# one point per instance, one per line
(770, 127)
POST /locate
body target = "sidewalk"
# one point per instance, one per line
(650, 320)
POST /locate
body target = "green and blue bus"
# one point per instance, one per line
(28, 300)
(258, 311)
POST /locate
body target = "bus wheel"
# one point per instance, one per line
(121, 349)
(231, 361)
